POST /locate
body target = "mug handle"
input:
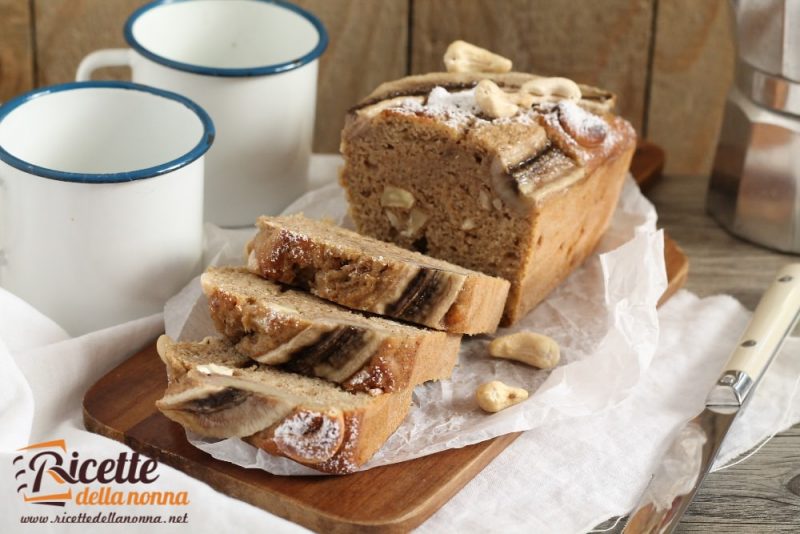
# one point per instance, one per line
(109, 57)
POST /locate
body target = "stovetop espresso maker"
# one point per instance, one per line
(754, 190)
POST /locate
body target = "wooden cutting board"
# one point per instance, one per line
(394, 498)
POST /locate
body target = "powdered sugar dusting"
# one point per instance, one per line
(582, 122)
(309, 436)
(344, 460)
(459, 110)
(291, 245)
(369, 379)
(456, 110)
(526, 117)
(443, 100)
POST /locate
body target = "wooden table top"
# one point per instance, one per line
(761, 494)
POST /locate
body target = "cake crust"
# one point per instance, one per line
(594, 98)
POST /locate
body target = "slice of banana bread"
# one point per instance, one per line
(213, 392)
(301, 333)
(365, 274)
(510, 174)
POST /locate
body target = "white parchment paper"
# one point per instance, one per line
(603, 317)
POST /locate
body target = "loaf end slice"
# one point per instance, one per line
(298, 332)
(524, 197)
(308, 420)
(366, 274)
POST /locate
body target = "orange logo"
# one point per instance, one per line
(33, 493)
(47, 473)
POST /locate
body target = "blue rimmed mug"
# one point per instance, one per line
(101, 199)
(252, 64)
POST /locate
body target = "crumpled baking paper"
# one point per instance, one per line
(603, 317)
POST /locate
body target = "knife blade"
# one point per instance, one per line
(695, 446)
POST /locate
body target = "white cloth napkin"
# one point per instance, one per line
(567, 476)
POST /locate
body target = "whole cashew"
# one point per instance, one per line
(465, 57)
(493, 101)
(551, 89)
(495, 396)
(534, 349)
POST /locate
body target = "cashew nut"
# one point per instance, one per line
(495, 396)
(493, 101)
(409, 225)
(395, 220)
(552, 89)
(464, 57)
(523, 100)
(396, 197)
(214, 369)
(416, 220)
(534, 349)
(484, 202)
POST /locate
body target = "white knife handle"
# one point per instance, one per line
(773, 319)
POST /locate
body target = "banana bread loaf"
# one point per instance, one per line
(506, 173)
(216, 392)
(300, 333)
(365, 274)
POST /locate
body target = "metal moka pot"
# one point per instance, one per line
(754, 190)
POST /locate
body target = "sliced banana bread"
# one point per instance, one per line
(216, 392)
(301, 333)
(365, 274)
(510, 174)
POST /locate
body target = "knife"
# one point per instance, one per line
(692, 453)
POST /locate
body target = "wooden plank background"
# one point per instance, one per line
(670, 61)
(16, 48)
(540, 36)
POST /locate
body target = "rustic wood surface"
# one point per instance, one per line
(762, 494)
(670, 61)
(647, 165)
(692, 69)
(67, 30)
(16, 48)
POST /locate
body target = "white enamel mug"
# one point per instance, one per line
(101, 200)
(252, 64)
